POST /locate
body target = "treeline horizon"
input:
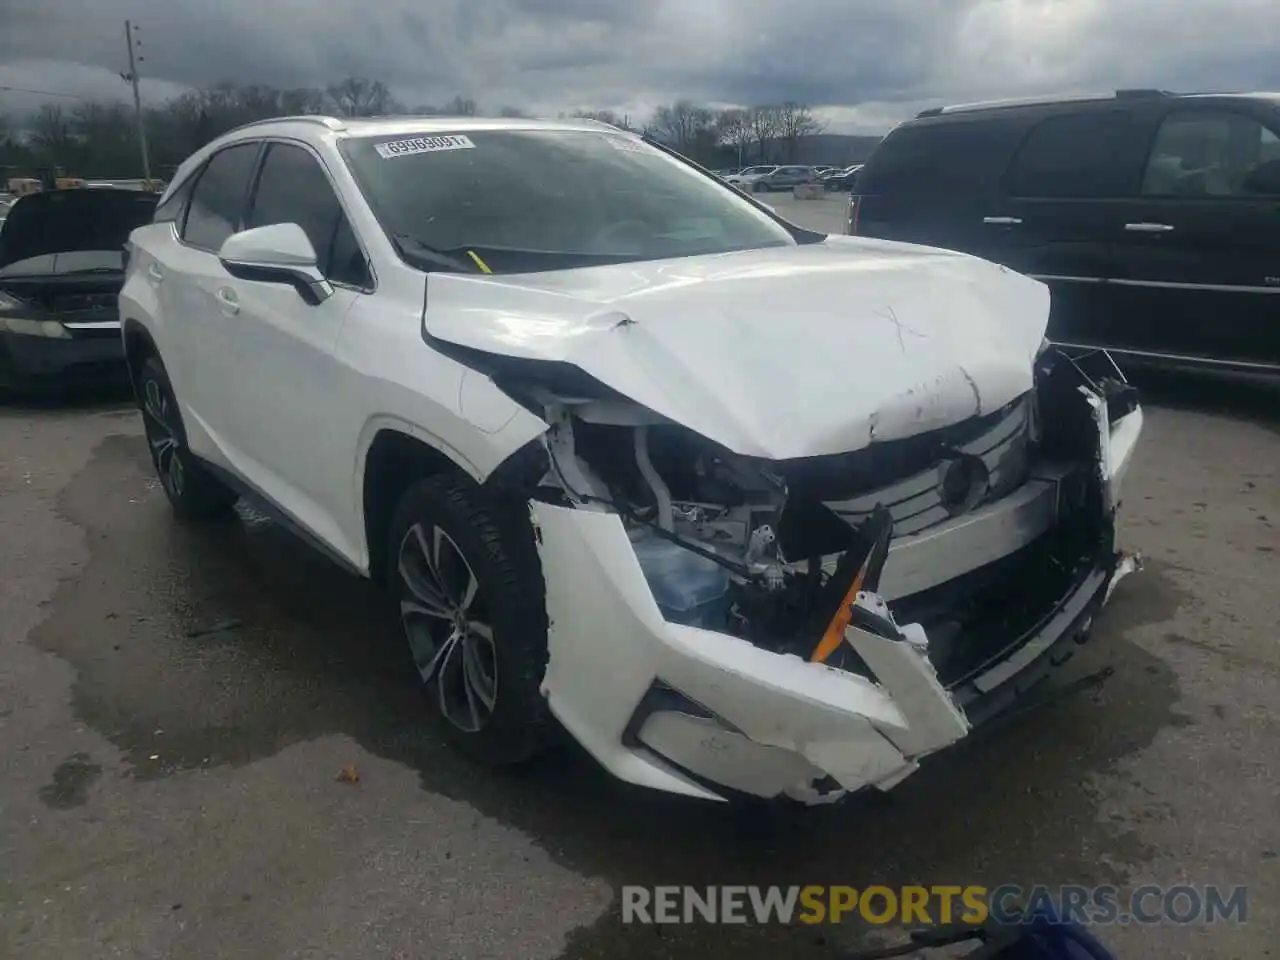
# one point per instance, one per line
(98, 139)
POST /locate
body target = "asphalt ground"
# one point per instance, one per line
(177, 706)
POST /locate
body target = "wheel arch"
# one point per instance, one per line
(395, 454)
(138, 345)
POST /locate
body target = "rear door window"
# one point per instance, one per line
(1076, 156)
(1211, 153)
(217, 202)
(956, 156)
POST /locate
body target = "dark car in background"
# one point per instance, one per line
(1153, 217)
(844, 178)
(62, 262)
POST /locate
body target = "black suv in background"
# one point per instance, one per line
(1153, 217)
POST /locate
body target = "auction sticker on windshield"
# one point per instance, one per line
(405, 148)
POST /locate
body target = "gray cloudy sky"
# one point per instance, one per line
(867, 64)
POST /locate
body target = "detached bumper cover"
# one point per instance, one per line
(706, 714)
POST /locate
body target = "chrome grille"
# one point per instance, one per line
(917, 504)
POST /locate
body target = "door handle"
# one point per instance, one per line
(1148, 227)
(154, 273)
(227, 301)
(1003, 221)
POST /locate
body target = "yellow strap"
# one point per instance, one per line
(484, 267)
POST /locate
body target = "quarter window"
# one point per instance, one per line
(293, 188)
(218, 199)
(1211, 154)
(172, 209)
(1076, 156)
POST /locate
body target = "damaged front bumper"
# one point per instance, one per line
(706, 714)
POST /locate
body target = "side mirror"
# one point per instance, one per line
(277, 253)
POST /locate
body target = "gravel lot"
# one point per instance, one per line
(176, 706)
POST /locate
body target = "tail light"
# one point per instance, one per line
(855, 201)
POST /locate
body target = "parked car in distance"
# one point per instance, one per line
(1153, 217)
(747, 178)
(783, 178)
(61, 269)
(622, 451)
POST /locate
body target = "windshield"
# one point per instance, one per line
(527, 200)
(752, 171)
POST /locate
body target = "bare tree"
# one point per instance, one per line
(735, 132)
(685, 126)
(794, 122)
(763, 124)
(51, 131)
(360, 97)
(301, 101)
(460, 106)
(105, 138)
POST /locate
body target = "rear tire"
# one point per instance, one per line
(194, 493)
(472, 601)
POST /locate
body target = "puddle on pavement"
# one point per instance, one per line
(220, 645)
(72, 779)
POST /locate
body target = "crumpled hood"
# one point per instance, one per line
(778, 353)
(63, 221)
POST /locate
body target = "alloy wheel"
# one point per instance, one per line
(162, 437)
(442, 609)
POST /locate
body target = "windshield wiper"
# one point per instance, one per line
(417, 250)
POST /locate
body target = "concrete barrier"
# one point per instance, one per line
(809, 191)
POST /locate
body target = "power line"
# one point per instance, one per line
(42, 93)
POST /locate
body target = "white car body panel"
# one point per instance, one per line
(780, 353)
(360, 368)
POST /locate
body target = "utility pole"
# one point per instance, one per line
(132, 78)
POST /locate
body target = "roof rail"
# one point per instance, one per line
(332, 123)
(598, 123)
(1129, 94)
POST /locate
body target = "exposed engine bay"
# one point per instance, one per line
(760, 550)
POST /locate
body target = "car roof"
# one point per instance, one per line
(410, 124)
(1086, 99)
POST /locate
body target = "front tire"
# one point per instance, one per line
(193, 492)
(472, 606)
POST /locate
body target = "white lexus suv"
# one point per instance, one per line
(743, 508)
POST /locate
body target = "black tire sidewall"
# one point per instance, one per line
(497, 543)
(203, 495)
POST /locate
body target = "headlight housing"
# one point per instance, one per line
(28, 326)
